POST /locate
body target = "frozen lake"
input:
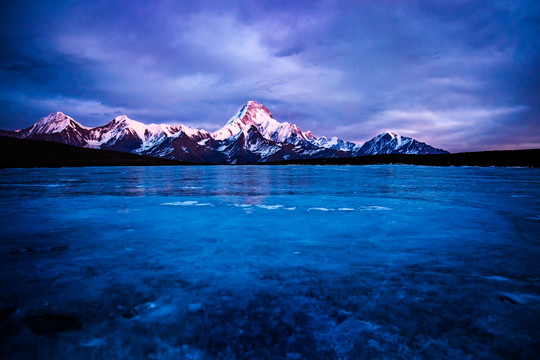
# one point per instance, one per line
(270, 262)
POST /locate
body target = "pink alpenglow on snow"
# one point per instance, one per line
(252, 135)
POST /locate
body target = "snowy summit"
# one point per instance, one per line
(252, 135)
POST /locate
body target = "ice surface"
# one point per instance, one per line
(412, 263)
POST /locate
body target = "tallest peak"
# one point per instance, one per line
(252, 113)
(55, 116)
(254, 106)
(248, 113)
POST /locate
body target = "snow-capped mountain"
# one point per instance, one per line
(121, 133)
(125, 134)
(252, 135)
(54, 123)
(335, 143)
(253, 113)
(391, 143)
(56, 127)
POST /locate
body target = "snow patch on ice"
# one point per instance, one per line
(374, 208)
(186, 203)
(270, 207)
(180, 203)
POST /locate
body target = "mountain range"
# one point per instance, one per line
(252, 135)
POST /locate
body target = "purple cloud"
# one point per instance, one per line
(461, 75)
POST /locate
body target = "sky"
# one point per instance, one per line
(460, 75)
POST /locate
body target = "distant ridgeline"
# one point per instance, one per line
(37, 153)
(251, 136)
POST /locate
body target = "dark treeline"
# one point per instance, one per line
(36, 153)
(527, 158)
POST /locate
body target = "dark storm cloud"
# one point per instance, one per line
(460, 75)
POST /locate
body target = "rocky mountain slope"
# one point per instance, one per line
(252, 135)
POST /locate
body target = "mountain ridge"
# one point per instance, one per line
(24, 153)
(252, 135)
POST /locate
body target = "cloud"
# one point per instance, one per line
(460, 74)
